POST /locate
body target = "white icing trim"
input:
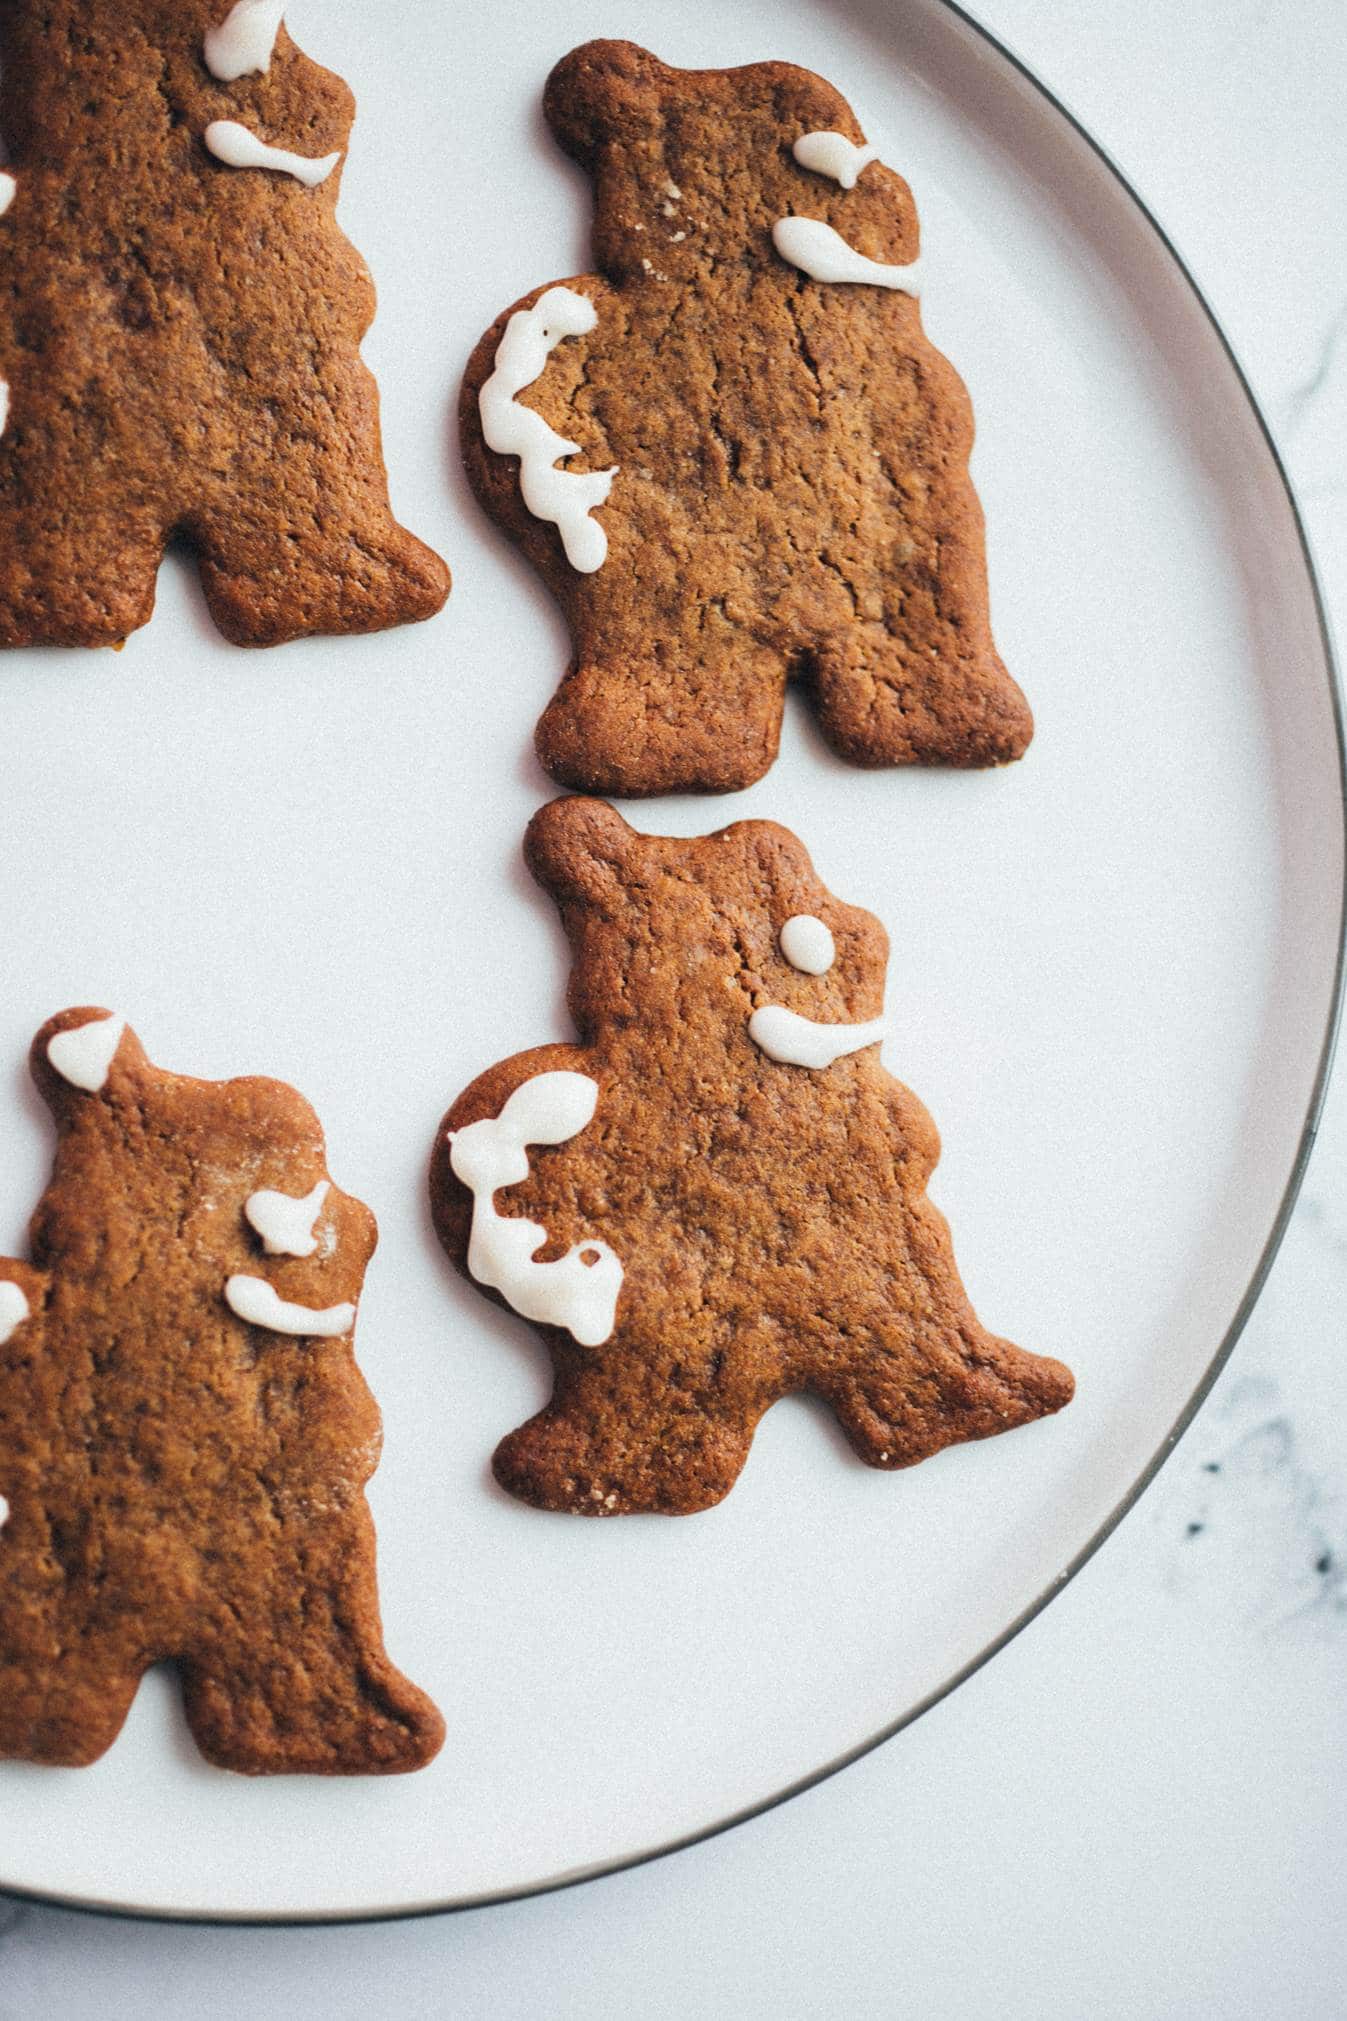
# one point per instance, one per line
(565, 497)
(244, 41)
(4, 405)
(823, 254)
(8, 190)
(800, 1042)
(238, 147)
(260, 1304)
(14, 1308)
(579, 1295)
(285, 1222)
(832, 154)
(84, 1054)
(4, 1512)
(807, 943)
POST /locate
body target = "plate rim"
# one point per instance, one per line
(627, 1862)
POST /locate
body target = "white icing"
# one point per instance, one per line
(286, 1224)
(824, 255)
(253, 1299)
(8, 190)
(244, 41)
(565, 497)
(238, 147)
(799, 1042)
(833, 154)
(571, 1292)
(808, 944)
(14, 1309)
(84, 1054)
(4, 405)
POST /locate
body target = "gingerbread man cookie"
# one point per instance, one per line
(731, 452)
(718, 1196)
(184, 1435)
(179, 332)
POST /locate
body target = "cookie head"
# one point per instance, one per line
(693, 168)
(695, 938)
(205, 1180)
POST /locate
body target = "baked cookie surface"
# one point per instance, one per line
(180, 321)
(184, 1435)
(718, 1197)
(728, 470)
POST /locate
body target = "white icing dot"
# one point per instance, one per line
(823, 254)
(14, 1309)
(286, 1224)
(801, 1042)
(4, 1512)
(84, 1054)
(579, 1290)
(238, 147)
(244, 41)
(807, 944)
(565, 497)
(834, 155)
(8, 189)
(260, 1304)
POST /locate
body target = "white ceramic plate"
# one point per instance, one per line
(1113, 980)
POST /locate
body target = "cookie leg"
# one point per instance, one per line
(620, 1438)
(67, 1709)
(907, 1395)
(271, 573)
(70, 583)
(880, 703)
(294, 1679)
(663, 720)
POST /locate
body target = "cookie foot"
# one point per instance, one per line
(66, 1711)
(313, 1706)
(566, 1464)
(635, 730)
(903, 1411)
(262, 592)
(878, 704)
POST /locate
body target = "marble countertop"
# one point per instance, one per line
(1140, 1808)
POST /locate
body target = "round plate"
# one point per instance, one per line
(1113, 982)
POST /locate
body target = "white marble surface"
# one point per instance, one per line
(1140, 1809)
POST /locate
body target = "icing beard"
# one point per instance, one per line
(802, 1042)
(258, 1303)
(237, 147)
(579, 1290)
(817, 250)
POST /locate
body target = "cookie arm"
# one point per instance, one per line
(451, 1202)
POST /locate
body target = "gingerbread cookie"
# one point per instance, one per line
(184, 1435)
(731, 453)
(719, 1196)
(179, 332)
